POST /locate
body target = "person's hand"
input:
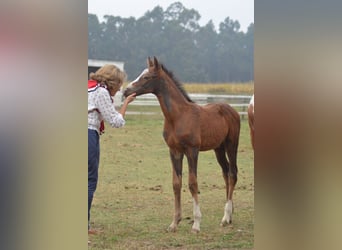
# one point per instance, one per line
(130, 98)
(127, 100)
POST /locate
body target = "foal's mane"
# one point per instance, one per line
(177, 83)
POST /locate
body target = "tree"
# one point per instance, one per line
(194, 53)
(206, 43)
(94, 34)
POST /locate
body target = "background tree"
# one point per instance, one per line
(194, 53)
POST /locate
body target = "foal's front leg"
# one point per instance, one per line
(176, 159)
(192, 156)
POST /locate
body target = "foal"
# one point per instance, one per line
(188, 129)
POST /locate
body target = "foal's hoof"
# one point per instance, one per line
(171, 229)
(225, 223)
(195, 231)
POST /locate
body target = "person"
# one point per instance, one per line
(102, 86)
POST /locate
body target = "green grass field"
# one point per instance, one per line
(133, 204)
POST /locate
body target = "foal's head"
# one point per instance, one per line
(153, 79)
(147, 81)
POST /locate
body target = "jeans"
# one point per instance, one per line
(93, 165)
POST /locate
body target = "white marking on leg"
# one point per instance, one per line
(228, 211)
(197, 217)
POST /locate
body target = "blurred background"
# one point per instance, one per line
(297, 59)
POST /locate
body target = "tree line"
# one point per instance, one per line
(194, 53)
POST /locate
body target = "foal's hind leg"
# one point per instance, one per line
(222, 160)
(231, 147)
(176, 159)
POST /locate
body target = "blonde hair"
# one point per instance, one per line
(109, 75)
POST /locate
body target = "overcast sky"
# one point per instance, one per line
(216, 10)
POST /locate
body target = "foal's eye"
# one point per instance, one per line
(146, 77)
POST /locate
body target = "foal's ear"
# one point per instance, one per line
(156, 63)
(149, 62)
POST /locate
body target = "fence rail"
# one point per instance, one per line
(239, 102)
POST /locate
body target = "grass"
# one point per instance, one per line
(133, 204)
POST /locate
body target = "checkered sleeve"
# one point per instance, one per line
(107, 109)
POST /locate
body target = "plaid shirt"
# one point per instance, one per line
(100, 100)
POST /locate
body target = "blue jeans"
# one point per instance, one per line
(93, 165)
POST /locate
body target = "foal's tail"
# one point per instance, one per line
(234, 131)
(232, 118)
(232, 140)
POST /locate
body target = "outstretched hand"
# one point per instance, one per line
(130, 98)
(127, 100)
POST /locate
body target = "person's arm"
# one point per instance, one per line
(107, 110)
(127, 100)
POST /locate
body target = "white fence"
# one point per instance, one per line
(239, 102)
